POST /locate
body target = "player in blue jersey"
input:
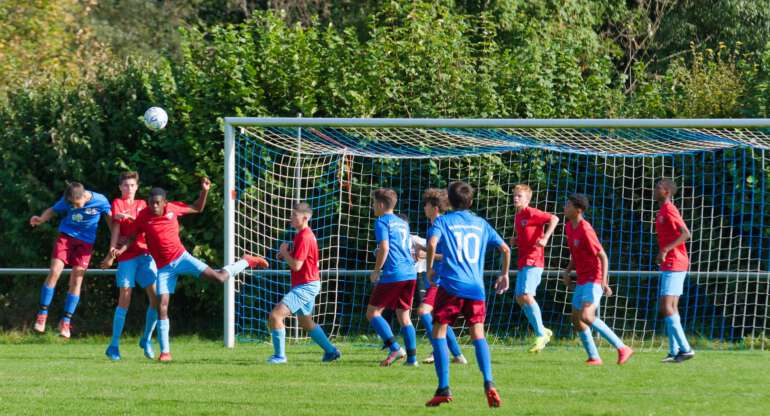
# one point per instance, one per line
(436, 203)
(394, 277)
(80, 210)
(462, 238)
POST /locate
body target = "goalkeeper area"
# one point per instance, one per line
(721, 167)
(38, 378)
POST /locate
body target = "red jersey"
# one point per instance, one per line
(584, 247)
(305, 249)
(529, 228)
(162, 232)
(668, 223)
(127, 226)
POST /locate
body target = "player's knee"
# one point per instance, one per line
(371, 314)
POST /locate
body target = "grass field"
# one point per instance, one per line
(48, 376)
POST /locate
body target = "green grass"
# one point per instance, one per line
(47, 376)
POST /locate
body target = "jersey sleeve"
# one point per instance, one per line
(593, 245)
(104, 206)
(114, 209)
(540, 217)
(302, 249)
(435, 229)
(178, 208)
(493, 237)
(676, 219)
(380, 231)
(61, 206)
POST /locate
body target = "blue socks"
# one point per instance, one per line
(454, 347)
(279, 341)
(535, 318)
(451, 340)
(69, 307)
(674, 327)
(441, 361)
(150, 319)
(317, 334)
(46, 296)
(607, 333)
(410, 342)
(386, 334)
(483, 358)
(117, 325)
(163, 326)
(427, 322)
(588, 343)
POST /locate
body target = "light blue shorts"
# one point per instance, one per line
(672, 283)
(185, 264)
(589, 292)
(301, 299)
(527, 280)
(141, 269)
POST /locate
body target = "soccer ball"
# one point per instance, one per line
(155, 118)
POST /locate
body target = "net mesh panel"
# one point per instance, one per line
(722, 176)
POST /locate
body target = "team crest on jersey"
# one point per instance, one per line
(170, 215)
(91, 211)
(523, 223)
(576, 242)
(77, 217)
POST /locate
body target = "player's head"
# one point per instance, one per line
(522, 194)
(665, 189)
(576, 205)
(300, 215)
(460, 195)
(383, 200)
(75, 194)
(435, 202)
(157, 200)
(128, 183)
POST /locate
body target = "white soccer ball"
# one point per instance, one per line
(155, 118)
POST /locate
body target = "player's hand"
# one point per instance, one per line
(374, 277)
(107, 262)
(513, 241)
(284, 250)
(205, 183)
(541, 242)
(35, 221)
(502, 283)
(124, 216)
(607, 291)
(661, 257)
(566, 278)
(429, 275)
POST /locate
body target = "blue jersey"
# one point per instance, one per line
(463, 239)
(81, 223)
(399, 265)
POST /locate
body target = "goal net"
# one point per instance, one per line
(720, 166)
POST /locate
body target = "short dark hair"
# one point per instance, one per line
(460, 195)
(669, 184)
(437, 198)
(579, 201)
(75, 190)
(129, 175)
(303, 208)
(158, 192)
(386, 196)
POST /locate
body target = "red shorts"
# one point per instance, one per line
(430, 296)
(396, 295)
(448, 307)
(73, 252)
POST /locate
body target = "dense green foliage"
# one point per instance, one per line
(73, 114)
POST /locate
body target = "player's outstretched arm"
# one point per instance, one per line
(549, 229)
(36, 220)
(502, 283)
(199, 204)
(605, 273)
(294, 264)
(112, 252)
(382, 254)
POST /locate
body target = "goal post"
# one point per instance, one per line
(721, 166)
